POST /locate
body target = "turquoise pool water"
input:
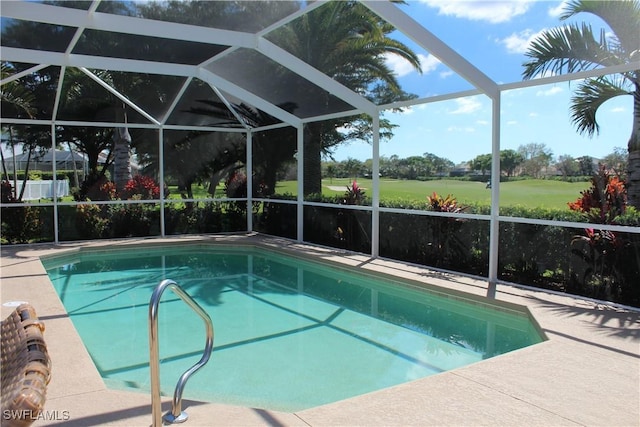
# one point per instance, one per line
(290, 334)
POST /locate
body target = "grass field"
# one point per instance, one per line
(528, 193)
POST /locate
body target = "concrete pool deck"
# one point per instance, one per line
(587, 373)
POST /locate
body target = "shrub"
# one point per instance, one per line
(143, 186)
(604, 254)
(354, 195)
(236, 185)
(21, 224)
(604, 201)
(6, 192)
(91, 223)
(437, 203)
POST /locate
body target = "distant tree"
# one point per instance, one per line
(571, 48)
(536, 158)
(567, 165)
(617, 161)
(354, 168)
(330, 172)
(586, 165)
(481, 163)
(438, 165)
(509, 161)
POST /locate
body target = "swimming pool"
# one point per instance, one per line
(290, 333)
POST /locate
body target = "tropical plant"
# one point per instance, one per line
(272, 150)
(349, 43)
(437, 203)
(606, 254)
(572, 48)
(143, 186)
(354, 195)
(20, 99)
(604, 201)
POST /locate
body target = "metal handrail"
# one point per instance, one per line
(176, 415)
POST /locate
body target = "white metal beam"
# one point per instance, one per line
(292, 17)
(414, 30)
(69, 17)
(30, 56)
(295, 64)
(245, 95)
(559, 78)
(120, 96)
(21, 74)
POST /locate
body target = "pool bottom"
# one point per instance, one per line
(274, 348)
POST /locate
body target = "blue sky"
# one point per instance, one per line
(493, 36)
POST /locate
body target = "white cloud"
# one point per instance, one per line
(491, 11)
(445, 74)
(482, 122)
(556, 11)
(550, 92)
(519, 42)
(512, 122)
(466, 106)
(618, 110)
(429, 62)
(402, 67)
(533, 114)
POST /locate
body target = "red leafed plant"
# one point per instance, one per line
(143, 186)
(354, 195)
(601, 250)
(437, 203)
(605, 200)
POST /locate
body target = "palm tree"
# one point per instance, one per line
(21, 101)
(349, 43)
(121, 153)
(271, 150)
(572, 48)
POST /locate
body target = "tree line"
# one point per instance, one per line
(344, 40)
(532, 160)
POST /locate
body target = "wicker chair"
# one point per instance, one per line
(26, 367)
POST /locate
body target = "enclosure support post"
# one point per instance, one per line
(163, 189)
(249, 163)
(494, 225)
(375, 191)
(56, 238)
(300, 196)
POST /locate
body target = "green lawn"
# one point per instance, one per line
(532, 193)
(528, 193)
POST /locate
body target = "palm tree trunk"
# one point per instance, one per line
(633, 173)
(76, 179)
(312, 160)
(121, 155)
(25, 177)
(121, 158)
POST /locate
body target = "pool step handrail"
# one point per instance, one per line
(176, 415)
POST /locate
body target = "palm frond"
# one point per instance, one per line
(622, 16)
(15, 94)
(568, 49)
(588, 97)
